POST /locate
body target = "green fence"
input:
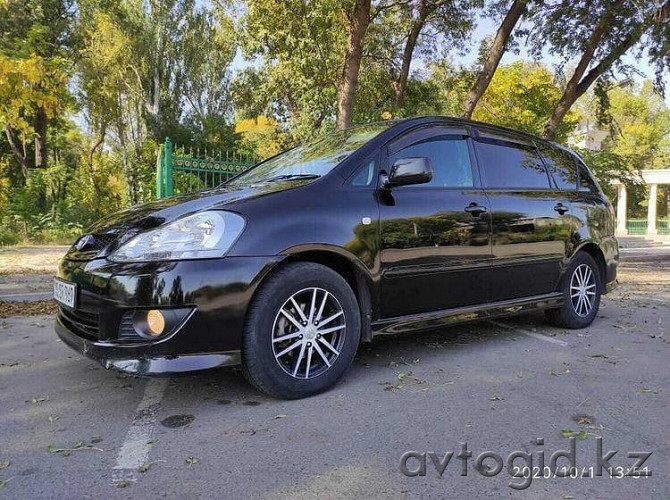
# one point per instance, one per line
(639, 226)
(663, 226)
(180, 170)
(636, 226)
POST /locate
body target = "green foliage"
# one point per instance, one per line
(640, 122)
(523, 96)
(302, 47)
(90, 88)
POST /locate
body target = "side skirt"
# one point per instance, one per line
(446, 317)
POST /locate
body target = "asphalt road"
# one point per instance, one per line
(498, 387)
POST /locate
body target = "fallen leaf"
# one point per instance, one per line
(145, 467)
(4, 464)
(192, 460)
(568, 433)
(122, 484)
(280, 415)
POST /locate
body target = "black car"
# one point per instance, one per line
(384, 228)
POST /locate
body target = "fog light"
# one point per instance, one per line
(155, 322)
(151, 324)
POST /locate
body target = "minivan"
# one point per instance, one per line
(391, 227)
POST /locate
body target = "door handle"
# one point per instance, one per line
(560, 208)
(474, 209)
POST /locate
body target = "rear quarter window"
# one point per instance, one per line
(562, 166)
(586, 181)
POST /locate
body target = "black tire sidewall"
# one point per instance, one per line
(257, 354)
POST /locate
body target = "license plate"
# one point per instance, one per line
(64, 292)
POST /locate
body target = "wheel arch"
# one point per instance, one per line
(348, 266)
(597, 254)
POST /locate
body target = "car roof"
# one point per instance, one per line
(404, 124)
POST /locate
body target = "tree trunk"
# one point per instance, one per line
(497, 50)
(40, 138)
(358, 25)
(570, 93)
(20, 155)
(408, 53)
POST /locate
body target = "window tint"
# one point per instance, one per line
(562, 167)
(508, 165)
(365, 175)
(449, 157)
(586, 182)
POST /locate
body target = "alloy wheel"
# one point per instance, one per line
(583, 290)
(308, 333)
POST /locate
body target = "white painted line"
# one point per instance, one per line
(135, 449)
(535, 335)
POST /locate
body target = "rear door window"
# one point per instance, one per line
(509, 165)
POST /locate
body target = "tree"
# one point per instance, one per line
(262, 137)
(299, 49)
(358, 19)
(495, 52)
(430, 26)
(145, 76)
(640, 130)
(36, 45)
(598, 33)
(522, 96)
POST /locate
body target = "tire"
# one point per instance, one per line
(578, 312)
(275, 367)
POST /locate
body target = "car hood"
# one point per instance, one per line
(155, 213)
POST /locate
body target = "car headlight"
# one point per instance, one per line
(198, 236)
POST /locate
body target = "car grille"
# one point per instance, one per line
(82, 323)
(96, 244)
(102, 241)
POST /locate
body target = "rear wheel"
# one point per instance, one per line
(302, 332)
(581, 290)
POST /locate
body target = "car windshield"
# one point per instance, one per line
(310, 160)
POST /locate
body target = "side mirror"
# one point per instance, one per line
(408, 171)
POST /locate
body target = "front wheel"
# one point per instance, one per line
(581, 290)
(302, 331)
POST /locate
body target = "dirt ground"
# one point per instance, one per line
(31, 260)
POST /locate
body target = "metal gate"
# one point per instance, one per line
(182, 171)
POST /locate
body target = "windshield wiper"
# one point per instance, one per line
(285, 177)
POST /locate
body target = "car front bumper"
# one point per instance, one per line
(217, 293)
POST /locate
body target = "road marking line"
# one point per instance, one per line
(135, 449)
(538, 336)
